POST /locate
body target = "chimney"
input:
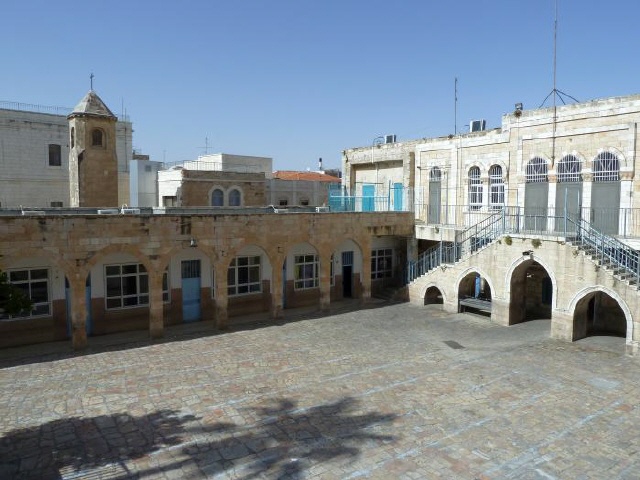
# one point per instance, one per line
(320, 164)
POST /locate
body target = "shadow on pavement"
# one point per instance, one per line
(284, 440)
(46, 352)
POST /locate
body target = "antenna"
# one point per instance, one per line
(555, 93)
(206, 146)
(455, 106)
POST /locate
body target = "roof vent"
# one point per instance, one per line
(478, 126)
(389, 139)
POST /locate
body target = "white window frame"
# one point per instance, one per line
(39, 309)
(131, 272)
(381, 263)
(496, 188)
(244, 276)
(306, 271)
(606, 168)
(475, 188)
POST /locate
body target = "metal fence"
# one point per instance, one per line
(605, 249)
(622, 222)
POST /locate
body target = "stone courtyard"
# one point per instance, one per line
(393, 391)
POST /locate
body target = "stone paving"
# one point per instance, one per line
(397, 391)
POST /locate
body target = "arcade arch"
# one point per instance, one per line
(531, 292)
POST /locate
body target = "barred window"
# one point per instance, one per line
(127, 285)
(435, 174)
(243, 276)
(606, 168)
(34, 283)
(381, 263)
(496, 187)
(536, 171)
(305, 272)
(475, 188)
(569, 169)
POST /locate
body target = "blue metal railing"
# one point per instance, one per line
(610, 252)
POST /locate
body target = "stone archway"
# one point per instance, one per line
(474, 294)
(598, 314)
(433, 296)
(531, 293)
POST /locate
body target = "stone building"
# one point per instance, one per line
(535, 219)
(34, 154)
(91, 274)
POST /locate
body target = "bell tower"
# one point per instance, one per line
(93, 162)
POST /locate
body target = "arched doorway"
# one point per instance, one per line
(474, 294)
(536, 195)
(531, 293)
(433, 296)
(605, 193)
(598, 314)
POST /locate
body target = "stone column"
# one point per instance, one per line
(222, 298)
(562, 326)
(325, 282)
(78, 313)
(366, 273)
(156, 304)
(276, 288)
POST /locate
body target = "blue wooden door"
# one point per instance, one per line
(368, 193)
(397, 197)
(190, 290)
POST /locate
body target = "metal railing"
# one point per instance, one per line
(394, 200)
(622, 222)
(607, 251)
(623, 260)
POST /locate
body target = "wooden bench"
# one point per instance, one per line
(474, 303)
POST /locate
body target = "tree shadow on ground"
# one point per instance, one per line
(281, 441)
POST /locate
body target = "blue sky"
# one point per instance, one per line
(299, 80)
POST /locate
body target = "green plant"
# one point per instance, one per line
(508, 240)
(536, 242)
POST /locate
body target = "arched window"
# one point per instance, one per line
(234, 198)
(496, 187)
(217, 198)
(475, 188)
(435, 175)
(606, 168)
(97, 137)
(536, 171)
(569, 169)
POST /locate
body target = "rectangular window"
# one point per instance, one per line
(381, 263)
(475, 196)
(165, 287)
(56, 204)
(244, 276)
(306, 272)
(55, 155)
(34, 283)
(127, 285)
(496, 196)
(169, 201)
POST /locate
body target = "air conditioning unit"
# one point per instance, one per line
(389, 139)
(478, 126)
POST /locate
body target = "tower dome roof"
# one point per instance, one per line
(92, 104)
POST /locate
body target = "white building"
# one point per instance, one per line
(34, 156)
